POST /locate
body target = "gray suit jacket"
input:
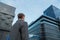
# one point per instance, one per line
(19, 31)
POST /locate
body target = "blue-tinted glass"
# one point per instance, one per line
(50, 12)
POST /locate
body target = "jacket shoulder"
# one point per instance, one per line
(25, 22)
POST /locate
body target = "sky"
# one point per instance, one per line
(33, 9)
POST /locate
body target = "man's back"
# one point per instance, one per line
(19, 31)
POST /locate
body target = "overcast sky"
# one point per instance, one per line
(31, 8)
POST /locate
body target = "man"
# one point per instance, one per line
(20, 29)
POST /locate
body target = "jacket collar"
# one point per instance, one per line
(20, 19)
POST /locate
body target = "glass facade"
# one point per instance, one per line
(44, 30)
(50, 12)
(45, 27)
(51, 31)
(34, 30)
(53, 12)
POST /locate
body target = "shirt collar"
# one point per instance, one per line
(20, 19)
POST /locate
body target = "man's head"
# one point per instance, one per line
(21, 16)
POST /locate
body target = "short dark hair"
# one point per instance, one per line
(20, 15)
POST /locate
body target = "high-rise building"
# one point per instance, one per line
(52, 11)
(7, 14)
(46, 27)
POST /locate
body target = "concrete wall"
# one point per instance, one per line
(7, 14)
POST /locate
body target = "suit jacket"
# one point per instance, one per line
(19, 31)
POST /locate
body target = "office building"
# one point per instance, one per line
(46, 27)
(7, 14)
